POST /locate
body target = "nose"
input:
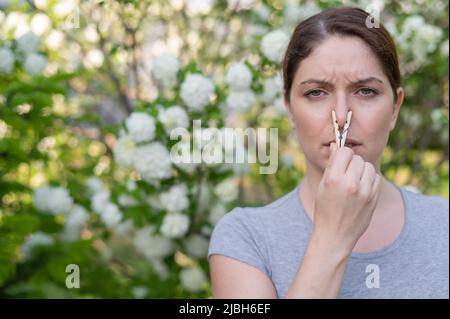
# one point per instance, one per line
(341, 110)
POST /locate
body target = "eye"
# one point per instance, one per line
(367, 92)
(314, 93)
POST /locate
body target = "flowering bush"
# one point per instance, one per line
(90, 95)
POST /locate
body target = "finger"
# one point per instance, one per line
(333, 148)
(367, 181)
(341, 160)
(355, 169)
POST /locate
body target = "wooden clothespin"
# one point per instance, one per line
(341, 137)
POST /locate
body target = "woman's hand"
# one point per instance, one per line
(345, 199)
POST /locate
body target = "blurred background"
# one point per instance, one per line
(89, 91)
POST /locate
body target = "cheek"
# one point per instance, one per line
(306, 124)
(310, 126)
(378, 123)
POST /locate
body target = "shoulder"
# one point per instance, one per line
(432, 203)
(429, 209)
(262, 215)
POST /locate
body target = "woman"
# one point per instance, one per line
(345, 231)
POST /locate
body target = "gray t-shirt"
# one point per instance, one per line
(274, 238)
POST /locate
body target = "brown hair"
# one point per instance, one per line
(344, 21)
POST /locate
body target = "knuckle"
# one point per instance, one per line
(365, 195)
(331, 180)
(352, 188)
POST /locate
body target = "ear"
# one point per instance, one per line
(287, 105)
(397, 105)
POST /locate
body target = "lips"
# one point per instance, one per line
(348, 142)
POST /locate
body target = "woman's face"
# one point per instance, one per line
(342, 74)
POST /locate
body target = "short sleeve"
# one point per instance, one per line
(237, 236)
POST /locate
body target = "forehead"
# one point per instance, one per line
(340, 58)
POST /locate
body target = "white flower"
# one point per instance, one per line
(61, 201)
(124, 151)
(40, 23)
(227, 190)
(131, 185)
(6, 60)
(40, 198)
(262, 11)
(141, 127)
(111, 215)
(437, 119)
(15, 23)
(54, 39)
(238, 5)
(196, 91)
(193, 279)
(206, 230)
(52, 200)
(279, 105)
(211, 145)
(124, 228)
(35, 63)
(127, 200)
(139, 292)
(28, 43)
(174, 117)
(154, 202)
(160, 268)
(165, 68)
(413, 119)
(294, 14)
(186, 164)
(272, 88)
(153, 162)
(77, 217)
(238, 77)
(198, 6)
(419, 38)
(175, 225)
(34, 240)
(151, 245)
(94, 59)
(428, 36)
(197, 245)
(64, 7)
(241, 101)
(411, 24)
(274, 44)
(217, 212)
(175, 199)
(94, 185)
(99, 201)
(75, 221)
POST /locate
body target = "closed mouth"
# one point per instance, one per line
(348, 144)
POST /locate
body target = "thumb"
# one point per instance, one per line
(333, 148)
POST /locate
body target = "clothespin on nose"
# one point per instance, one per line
(341, 137)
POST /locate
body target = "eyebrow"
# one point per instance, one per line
(361, 81)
